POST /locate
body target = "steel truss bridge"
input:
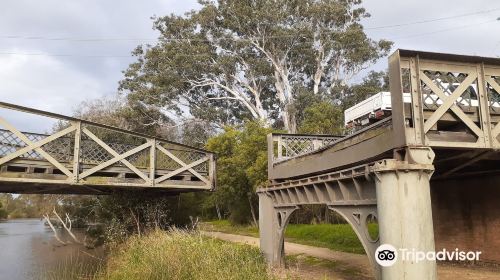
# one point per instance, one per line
(450, 132)
(84, 157)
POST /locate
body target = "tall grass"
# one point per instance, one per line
(73, 267)
(180, 255)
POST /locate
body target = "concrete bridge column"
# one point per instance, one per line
(272, 224)
(268, 229)
(405, 215)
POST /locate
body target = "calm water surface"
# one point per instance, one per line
(28, 248)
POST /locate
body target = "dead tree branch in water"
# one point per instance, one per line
(47, 218)
(68, 229)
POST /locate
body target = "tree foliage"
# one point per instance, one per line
(322, 118)
(373, 83)
(242, 167)
(3, 212)
(232, 60)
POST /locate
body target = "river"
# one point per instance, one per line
(28, 250)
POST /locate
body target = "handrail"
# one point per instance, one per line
(63, 117)
(83, 151)
(283, 146)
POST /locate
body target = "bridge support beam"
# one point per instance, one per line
(405, 215)
(394, 191)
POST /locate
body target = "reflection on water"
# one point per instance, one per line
(28, 248)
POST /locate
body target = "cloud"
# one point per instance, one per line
(61, 83)
(45, 83)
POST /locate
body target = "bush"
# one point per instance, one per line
(181, 255)
(241, 168)
(3, 213)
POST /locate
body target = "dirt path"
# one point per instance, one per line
(356, 260)
(351, 266)
(340, 266)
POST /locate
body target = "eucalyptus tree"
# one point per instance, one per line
(233, 60)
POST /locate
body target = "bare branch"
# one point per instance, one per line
(66, 227)
(56, 236)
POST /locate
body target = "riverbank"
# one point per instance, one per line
(214, 255)
(177, 254)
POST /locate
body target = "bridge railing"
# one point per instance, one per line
(282, 147)
(455, 100)
(87, 153)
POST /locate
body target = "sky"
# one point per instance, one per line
(55, 54)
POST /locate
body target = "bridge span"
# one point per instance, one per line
(429, 173)
(82, 157)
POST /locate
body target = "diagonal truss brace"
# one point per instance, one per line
(449, 103)
(183, 164)
(117, 157)
(496, 130)
(30, 145)
(182, 169)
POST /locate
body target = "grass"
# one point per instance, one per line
(180, 255)
(226, 227)
(71, 268)
(339, 237)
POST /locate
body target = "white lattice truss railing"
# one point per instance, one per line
(71, 164)
(286, 146)
(469, 91)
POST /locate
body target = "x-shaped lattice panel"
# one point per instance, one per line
(493, 87)
(294, 146)
(52, 148)
(449, 91)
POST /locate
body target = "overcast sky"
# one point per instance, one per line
(56, 75)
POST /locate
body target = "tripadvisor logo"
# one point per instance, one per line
(387, 255)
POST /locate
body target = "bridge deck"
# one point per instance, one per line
(90, 158)
(455, 110)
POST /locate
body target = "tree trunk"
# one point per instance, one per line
(327, 215)
(66, 227)
(218, 211)
(137, 223)
(289, 120)
(284, 91)
(317, 77)
(256, 223)
(47, 218)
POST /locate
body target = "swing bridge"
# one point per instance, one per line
(83, 157)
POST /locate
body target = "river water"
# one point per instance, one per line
(28, 250)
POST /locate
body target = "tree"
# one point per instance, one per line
(322, 118)
(242, 167)
(127, 114)
(373, 83)
(234, 60)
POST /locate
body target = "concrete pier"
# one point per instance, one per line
(405, 217)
